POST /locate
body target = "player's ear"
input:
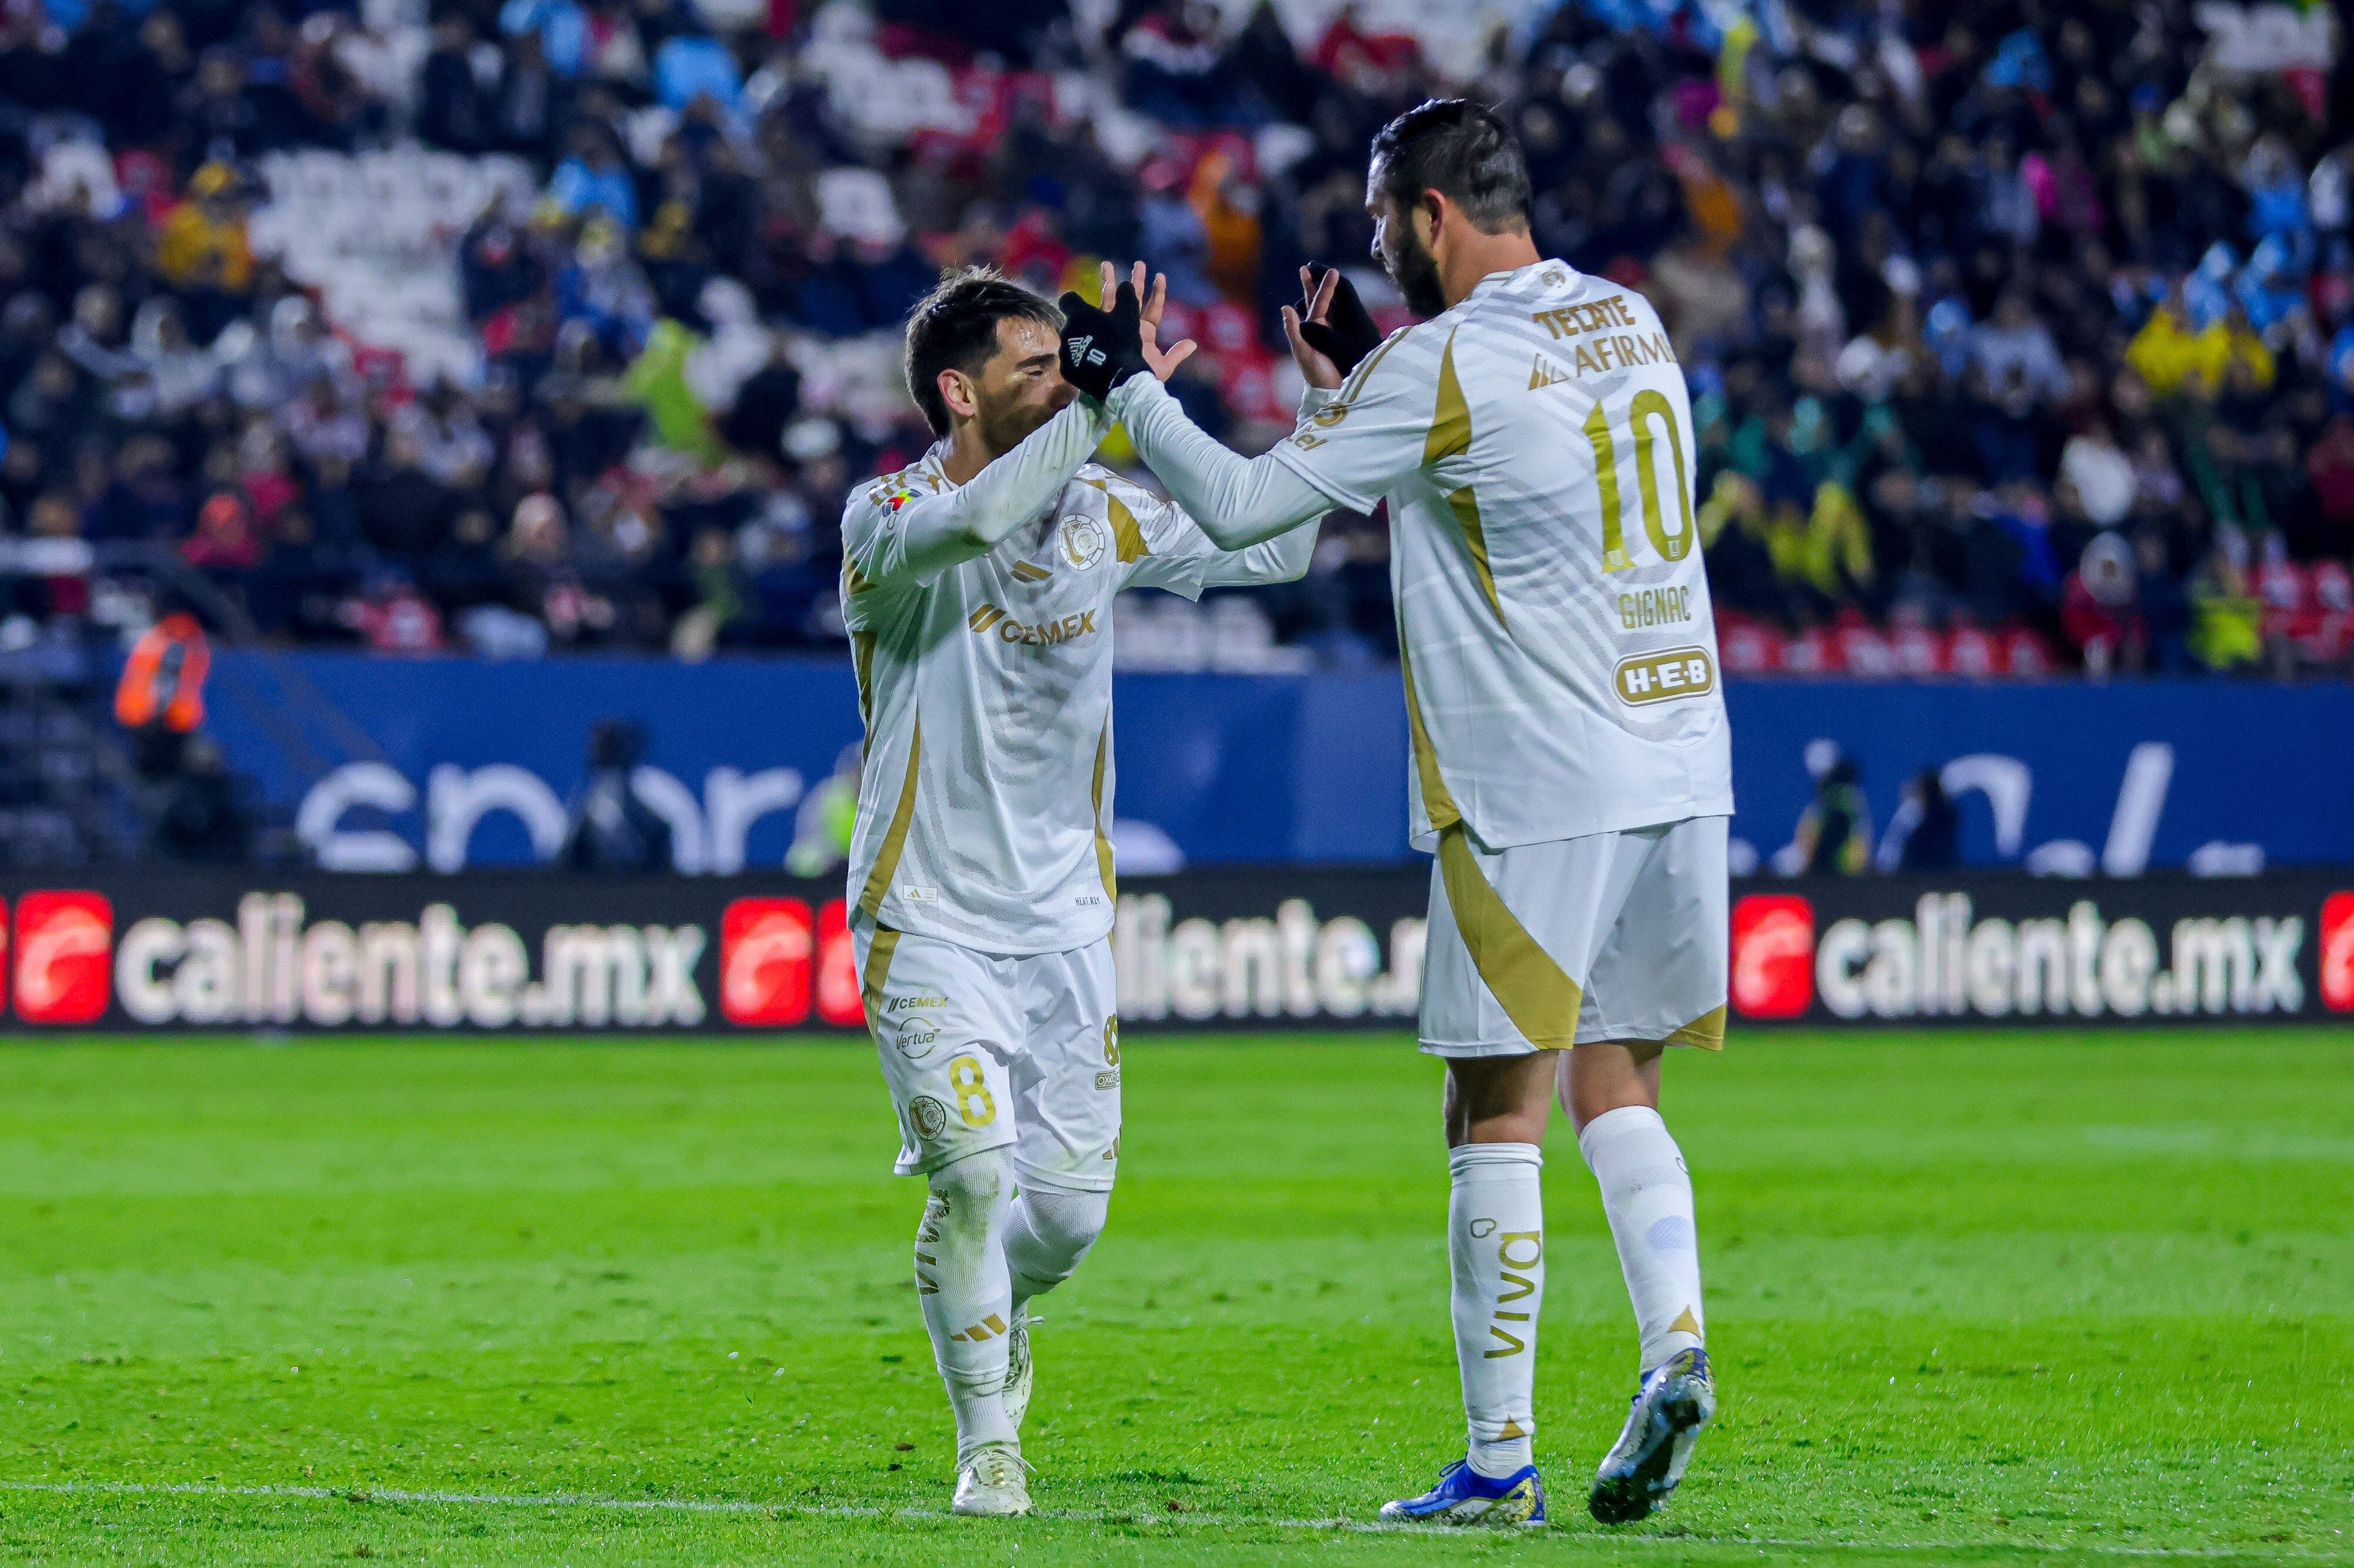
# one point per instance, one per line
(958, 391)
(1430, 216)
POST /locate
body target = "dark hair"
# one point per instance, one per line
(954, 327)
(1462, 150)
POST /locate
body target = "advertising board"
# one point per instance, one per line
(1298, 947)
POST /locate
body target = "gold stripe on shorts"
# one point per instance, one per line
(1707, 1031)
(1534, 991)
(879, 954)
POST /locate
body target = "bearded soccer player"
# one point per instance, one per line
(977, 588)
(1533, 441)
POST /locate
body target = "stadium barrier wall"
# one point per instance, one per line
(388, 764)
(1266, 947)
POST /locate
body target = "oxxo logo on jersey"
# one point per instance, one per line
(1948, 961)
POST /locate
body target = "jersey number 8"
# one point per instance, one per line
(1671, 546)
(972, 1089)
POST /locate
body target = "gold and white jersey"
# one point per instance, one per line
(1535, 446)
(985, 801)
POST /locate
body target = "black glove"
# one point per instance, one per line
(1102, 348)
(1350, 335)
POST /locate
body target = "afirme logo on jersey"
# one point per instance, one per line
(1947, 961)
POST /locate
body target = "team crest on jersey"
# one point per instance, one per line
(1083, 542)
(930, 1117)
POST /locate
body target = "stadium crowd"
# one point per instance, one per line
(2021, 333)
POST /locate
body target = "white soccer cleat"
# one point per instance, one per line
(1642, 1469)
(1017, 1368)
(992, 1484)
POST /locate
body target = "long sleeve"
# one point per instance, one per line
(1236, 502)
(911, 536)
(1281, 559)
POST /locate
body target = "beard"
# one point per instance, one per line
(1415, 271)
(1004, 426)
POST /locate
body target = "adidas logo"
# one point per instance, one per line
(1545, 372)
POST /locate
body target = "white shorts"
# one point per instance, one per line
(1610, 937)
(985, 1053)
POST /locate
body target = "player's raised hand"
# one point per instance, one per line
(1162, 362)
(1102, 346)
(1330, 331)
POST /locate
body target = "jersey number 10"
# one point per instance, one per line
(1671, 546)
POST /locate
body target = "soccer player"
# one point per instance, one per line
(978, 589)
(1533, 441)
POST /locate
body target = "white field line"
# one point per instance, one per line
(590, 1501)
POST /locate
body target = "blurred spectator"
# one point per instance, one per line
(199, 815)
(1834, 836)
(2101, 609)
(1960, 292)
(611, 829)
(1926, 833)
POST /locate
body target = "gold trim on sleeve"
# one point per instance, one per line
(1103, 845)
(1127, 538)
(1437, 803)
(1707, 1031)
(1531, 986)
(1450, 421)
(895, 841)
(1364, 372)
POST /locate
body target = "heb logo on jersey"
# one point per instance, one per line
(65, 949)
(1664, 676)
(1773, 956)
(989, 619)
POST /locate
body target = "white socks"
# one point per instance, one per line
(1049, 1231)
(1646, 1193)
(1495, 1251)
(968, 1301)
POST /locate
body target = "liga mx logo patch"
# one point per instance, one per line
(1083, 542)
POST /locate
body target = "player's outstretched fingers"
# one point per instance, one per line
(1107, 285)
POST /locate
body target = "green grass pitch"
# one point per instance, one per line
(1973, 1298)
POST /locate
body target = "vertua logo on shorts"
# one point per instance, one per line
(766, 945)
(1773, 956)
(2338, 952)
(65, 944)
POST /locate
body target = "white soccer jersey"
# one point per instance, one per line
(1535, 446)
(985, 801)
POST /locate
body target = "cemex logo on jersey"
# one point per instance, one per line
(2338, 952)
(64, 967)
(775, 961)
(1773, 956)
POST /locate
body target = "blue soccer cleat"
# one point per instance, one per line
(1463, 1496)
(1641, 1472)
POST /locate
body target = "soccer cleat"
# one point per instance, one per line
(1017, 1369)
(1464, 1496)
(1641, 1472)
(992, 1484)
